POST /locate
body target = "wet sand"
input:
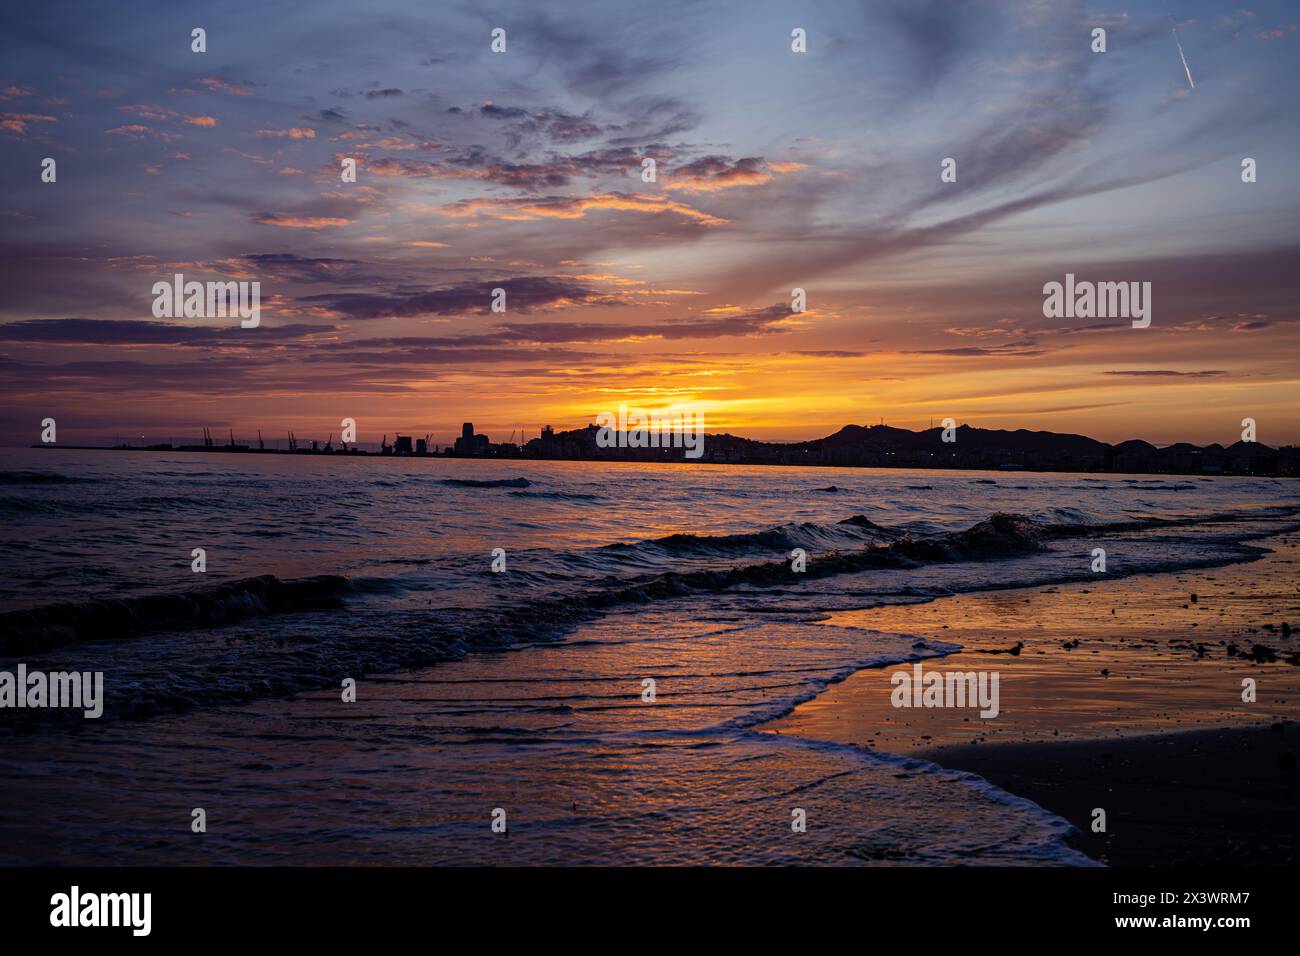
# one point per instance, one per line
(1143, 717)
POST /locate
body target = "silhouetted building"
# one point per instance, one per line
(469, 443)
(402, 445)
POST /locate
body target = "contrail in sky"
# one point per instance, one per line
(1190, 81)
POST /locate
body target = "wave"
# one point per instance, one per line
(27, 506)
(41, 478)
(856, 531)
(851, 546)
(1000, 535)
(1072, 529)
(19, 504)
(555, 495)
(52, 625)
(493, 483)
(453, 631)
(388, 636)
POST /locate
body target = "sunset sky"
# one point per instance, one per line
(522, 170)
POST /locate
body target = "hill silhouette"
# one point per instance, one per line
(969, 448)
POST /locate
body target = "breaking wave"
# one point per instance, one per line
(51, 625)
(388, 634)
(40, 478)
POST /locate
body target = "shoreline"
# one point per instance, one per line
(657, 460)
(1142, 717)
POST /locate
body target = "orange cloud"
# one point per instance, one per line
(217, 85)
(714, 173)
(392, 143)
(17, 122)
(148, 111)
(292, 133)
(575, 207)
(299, 222)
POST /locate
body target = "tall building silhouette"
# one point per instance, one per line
(469, 443)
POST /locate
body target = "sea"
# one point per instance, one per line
(437, 661)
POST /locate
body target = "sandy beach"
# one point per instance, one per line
(1124, 695)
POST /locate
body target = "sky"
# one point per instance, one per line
(522, 170)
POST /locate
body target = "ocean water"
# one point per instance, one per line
(522, 690)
